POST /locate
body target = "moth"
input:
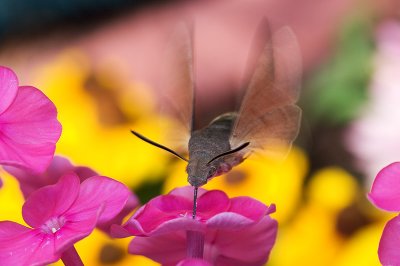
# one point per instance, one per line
(268, 119)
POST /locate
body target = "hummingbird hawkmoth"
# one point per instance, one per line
(268, 119)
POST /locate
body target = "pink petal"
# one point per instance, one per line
(100, 192)
(84, 172)
(60, 166)
(29, 130)
(177, 204)
(156, 212)
(248, 207)
(212, 203)
(193, 262)
(250, 246)
(143, 222)
(30, 182)
(385, 191)
(228, 221)
(152, 221)
(100, 199)
(51, 201)
(223, 261)
(167, 249)
(389, 244)
(9, 229)
(76, 228)
(171, 204)
(130, 205)
(187, 192)
(8, 87)
(271, 209)
(178, 224)
(20, 245)
(118, 231)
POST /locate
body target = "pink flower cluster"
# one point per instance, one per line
(235, 231)
(60, 215)
(59, 167)
(64, 203)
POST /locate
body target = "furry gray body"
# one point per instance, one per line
(207, 143)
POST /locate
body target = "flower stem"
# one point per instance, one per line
(70, 257)
(195, 244)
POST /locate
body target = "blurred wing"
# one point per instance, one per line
(268, 117)
(178, 87)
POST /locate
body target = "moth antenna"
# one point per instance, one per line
(194, 202)
(158, 145)
(241, 147)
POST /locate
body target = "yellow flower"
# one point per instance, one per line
(11, 199)
(313, 236)
(267, 180)
(97, 109)
(332, 188)
(310, 240)
(362, 248)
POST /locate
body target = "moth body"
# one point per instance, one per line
(267, 121)
(207, 143)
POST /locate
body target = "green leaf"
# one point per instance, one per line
(338, 89)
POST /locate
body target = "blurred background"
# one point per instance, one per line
(99, 62)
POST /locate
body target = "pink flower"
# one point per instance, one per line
(235, 231)
(60, 166)
(30, 182)
(29, 128)
(385, 194)
(60, 215)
